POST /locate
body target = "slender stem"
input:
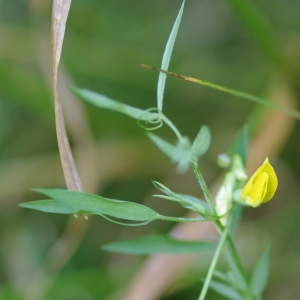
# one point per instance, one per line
(231, 247)
(172, 126)
(234, 255)
(180, 219)
(203, 186)
(214, 263)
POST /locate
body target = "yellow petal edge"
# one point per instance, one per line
(261, 187)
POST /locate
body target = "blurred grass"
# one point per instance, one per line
(105, 41)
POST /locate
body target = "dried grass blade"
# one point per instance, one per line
(59, 18)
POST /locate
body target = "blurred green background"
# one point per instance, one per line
(44, 256)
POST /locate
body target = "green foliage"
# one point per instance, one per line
(201, 142)
(226, 290)
(166, 59)
(240, 146)
(103, 54)
(158, 244)
(50, 206)
(260, 274)
(164, 146)
(184, 153)
(92, 204)
(234, 285)
(103, 101)
(187, 201)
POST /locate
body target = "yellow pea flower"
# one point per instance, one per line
(261, 186)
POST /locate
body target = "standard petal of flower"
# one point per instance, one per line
(261, 187)
(272, 183)
(258, 190)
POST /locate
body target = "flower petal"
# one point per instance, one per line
(272, 183)
(258, 190)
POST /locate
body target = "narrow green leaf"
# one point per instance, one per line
(164, 189)
(195, 204)
(103, 101)
(164, 146)
(226, 290)
(187, 201)
(240, 280)
(229, 279)
(236, 217)
(201, 142)
(94, 204)
(166, 59)
(49, 206)
(260, 274)
(180, 154)
(158, 244)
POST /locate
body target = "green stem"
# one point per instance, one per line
(180, 219)
(203, 186)
(214, 263)
(237, 265)
(233, 253)
(172, 126)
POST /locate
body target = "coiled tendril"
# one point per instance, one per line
(147, 123)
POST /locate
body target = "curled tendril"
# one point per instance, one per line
(154, 123)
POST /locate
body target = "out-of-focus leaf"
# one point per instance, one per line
(201, 142)
(183, 155)
(187, 201)
(180, 154)
(226, 290)
(260, 274)
(105, 102)
(229, 279)
(166, 59)
(240, 147)
(49, 206)
(164, 146)
(93, 204)
(158, 244)
(259, 27)
(221, 276)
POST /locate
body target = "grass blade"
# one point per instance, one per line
(289, 111)
(60, 13)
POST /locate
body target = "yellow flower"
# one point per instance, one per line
(261, 186)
